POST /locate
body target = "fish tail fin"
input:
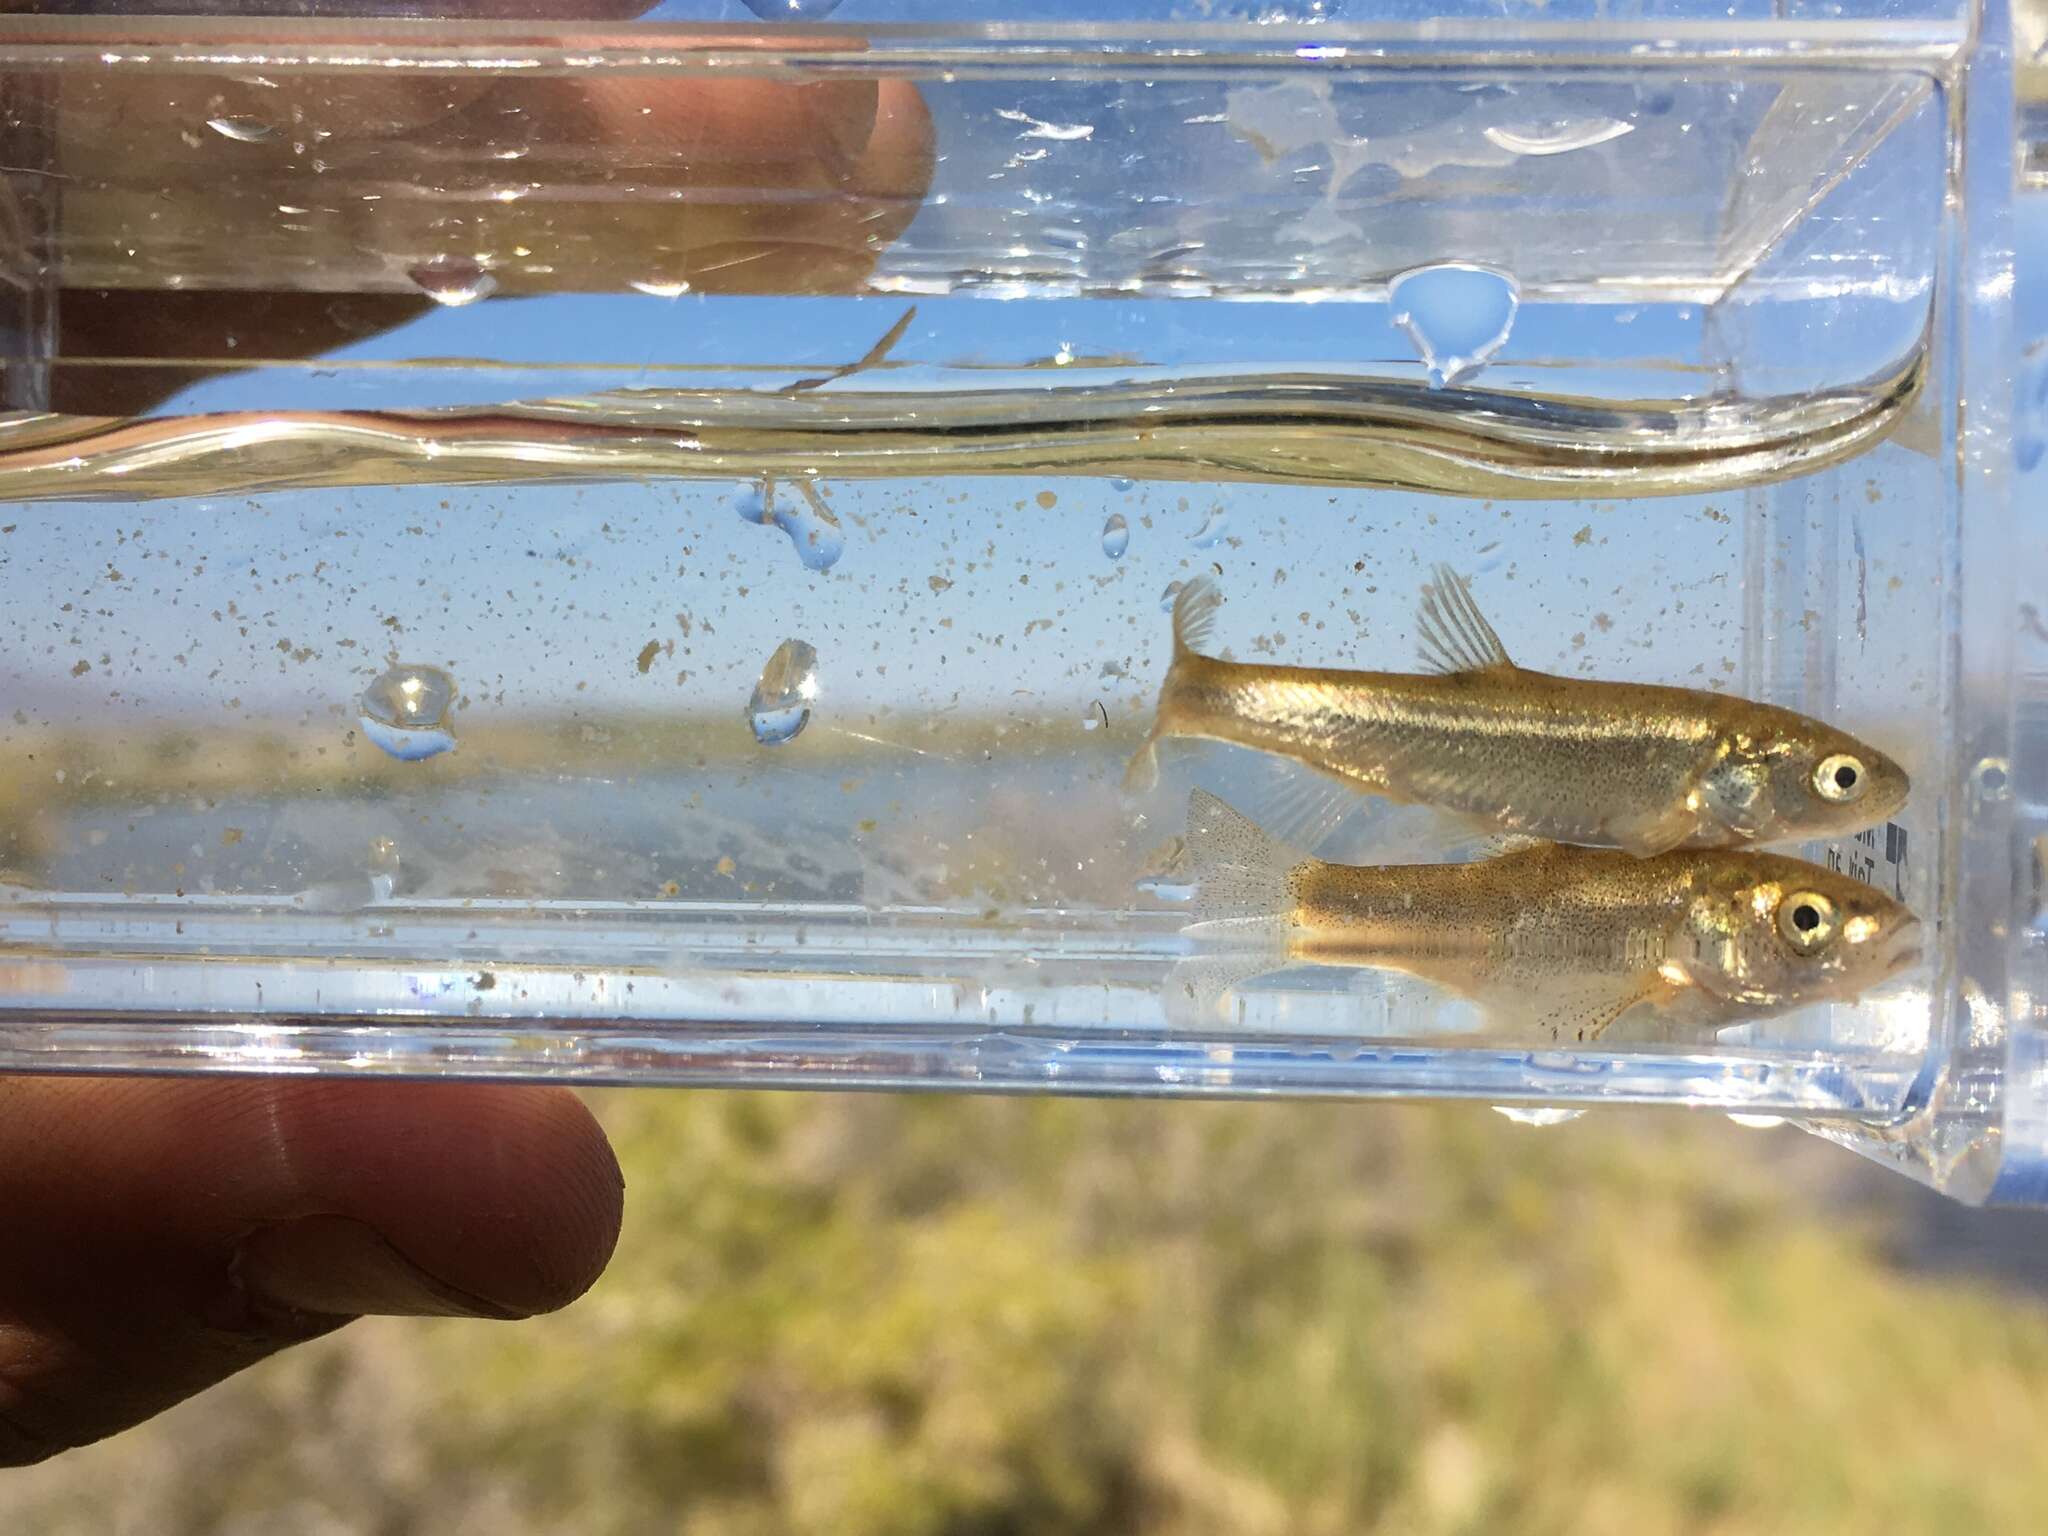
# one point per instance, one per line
(1194, 617)
(1243, 908)
(1194, 621)
(1243, 874)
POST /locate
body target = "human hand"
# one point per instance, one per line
(162, 1234)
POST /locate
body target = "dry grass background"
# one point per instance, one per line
(959, 1317)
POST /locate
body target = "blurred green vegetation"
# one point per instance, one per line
(956, 1317)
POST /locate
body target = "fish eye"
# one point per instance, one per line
(1839, 778)
(1808, 921)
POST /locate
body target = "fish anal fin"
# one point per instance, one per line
(1655, 832)
(1452, 635)
(1303, 806)
(1141, 776)
(1580, 1015)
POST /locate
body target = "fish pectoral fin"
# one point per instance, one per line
(1739, 802)
(1452, 635)
(1655, 832)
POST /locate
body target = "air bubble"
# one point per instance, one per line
(1116, 536)
(1212, 530)
(812, 527)
(1457, 315)
(1123, 484)
(1166, 598)
(1523, 1115)
(385, 868)
(453, 280)
(243, 130)
(1559, 136)
(658, 289)
(781, 704)
(404, 712)
(792, 10)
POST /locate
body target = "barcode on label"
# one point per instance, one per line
(1876, 856)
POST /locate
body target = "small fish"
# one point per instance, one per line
(1559, 939)
(1625, 765)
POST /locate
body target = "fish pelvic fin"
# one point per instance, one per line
(1452, 635)
(1655, 832)
(1194, 617)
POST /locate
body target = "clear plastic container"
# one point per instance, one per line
(633, 550)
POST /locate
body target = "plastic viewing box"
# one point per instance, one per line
(637, 548)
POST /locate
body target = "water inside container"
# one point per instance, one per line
(504, 384)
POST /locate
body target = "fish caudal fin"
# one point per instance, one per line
(1194, 617)
(1452, 635)
(1243, 909)
(1243, 874)
(1194, 622)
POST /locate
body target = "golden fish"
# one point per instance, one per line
(1626, 765)
(1563, 940)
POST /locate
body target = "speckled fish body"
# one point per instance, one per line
(1637, 766)
(1564, 939)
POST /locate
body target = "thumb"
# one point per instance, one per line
(163, 1234)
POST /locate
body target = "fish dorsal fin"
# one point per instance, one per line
(1452, 635)
(1194, 617)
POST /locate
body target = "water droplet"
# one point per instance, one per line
(1212, 530)
(792, 10)
(405, 712)
(1166, 598)
(1457, 315)
(1558, 136)
(243, 130)
(661, 290)
(1116, 536)
(812, 527)
(1123, 483)
(781, 704)
(384, 868)
(1523, 1115)
(453, 280)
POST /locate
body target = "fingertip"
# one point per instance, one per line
(506, 1193)
(902, 150)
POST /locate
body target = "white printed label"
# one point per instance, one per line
(1876, 856)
